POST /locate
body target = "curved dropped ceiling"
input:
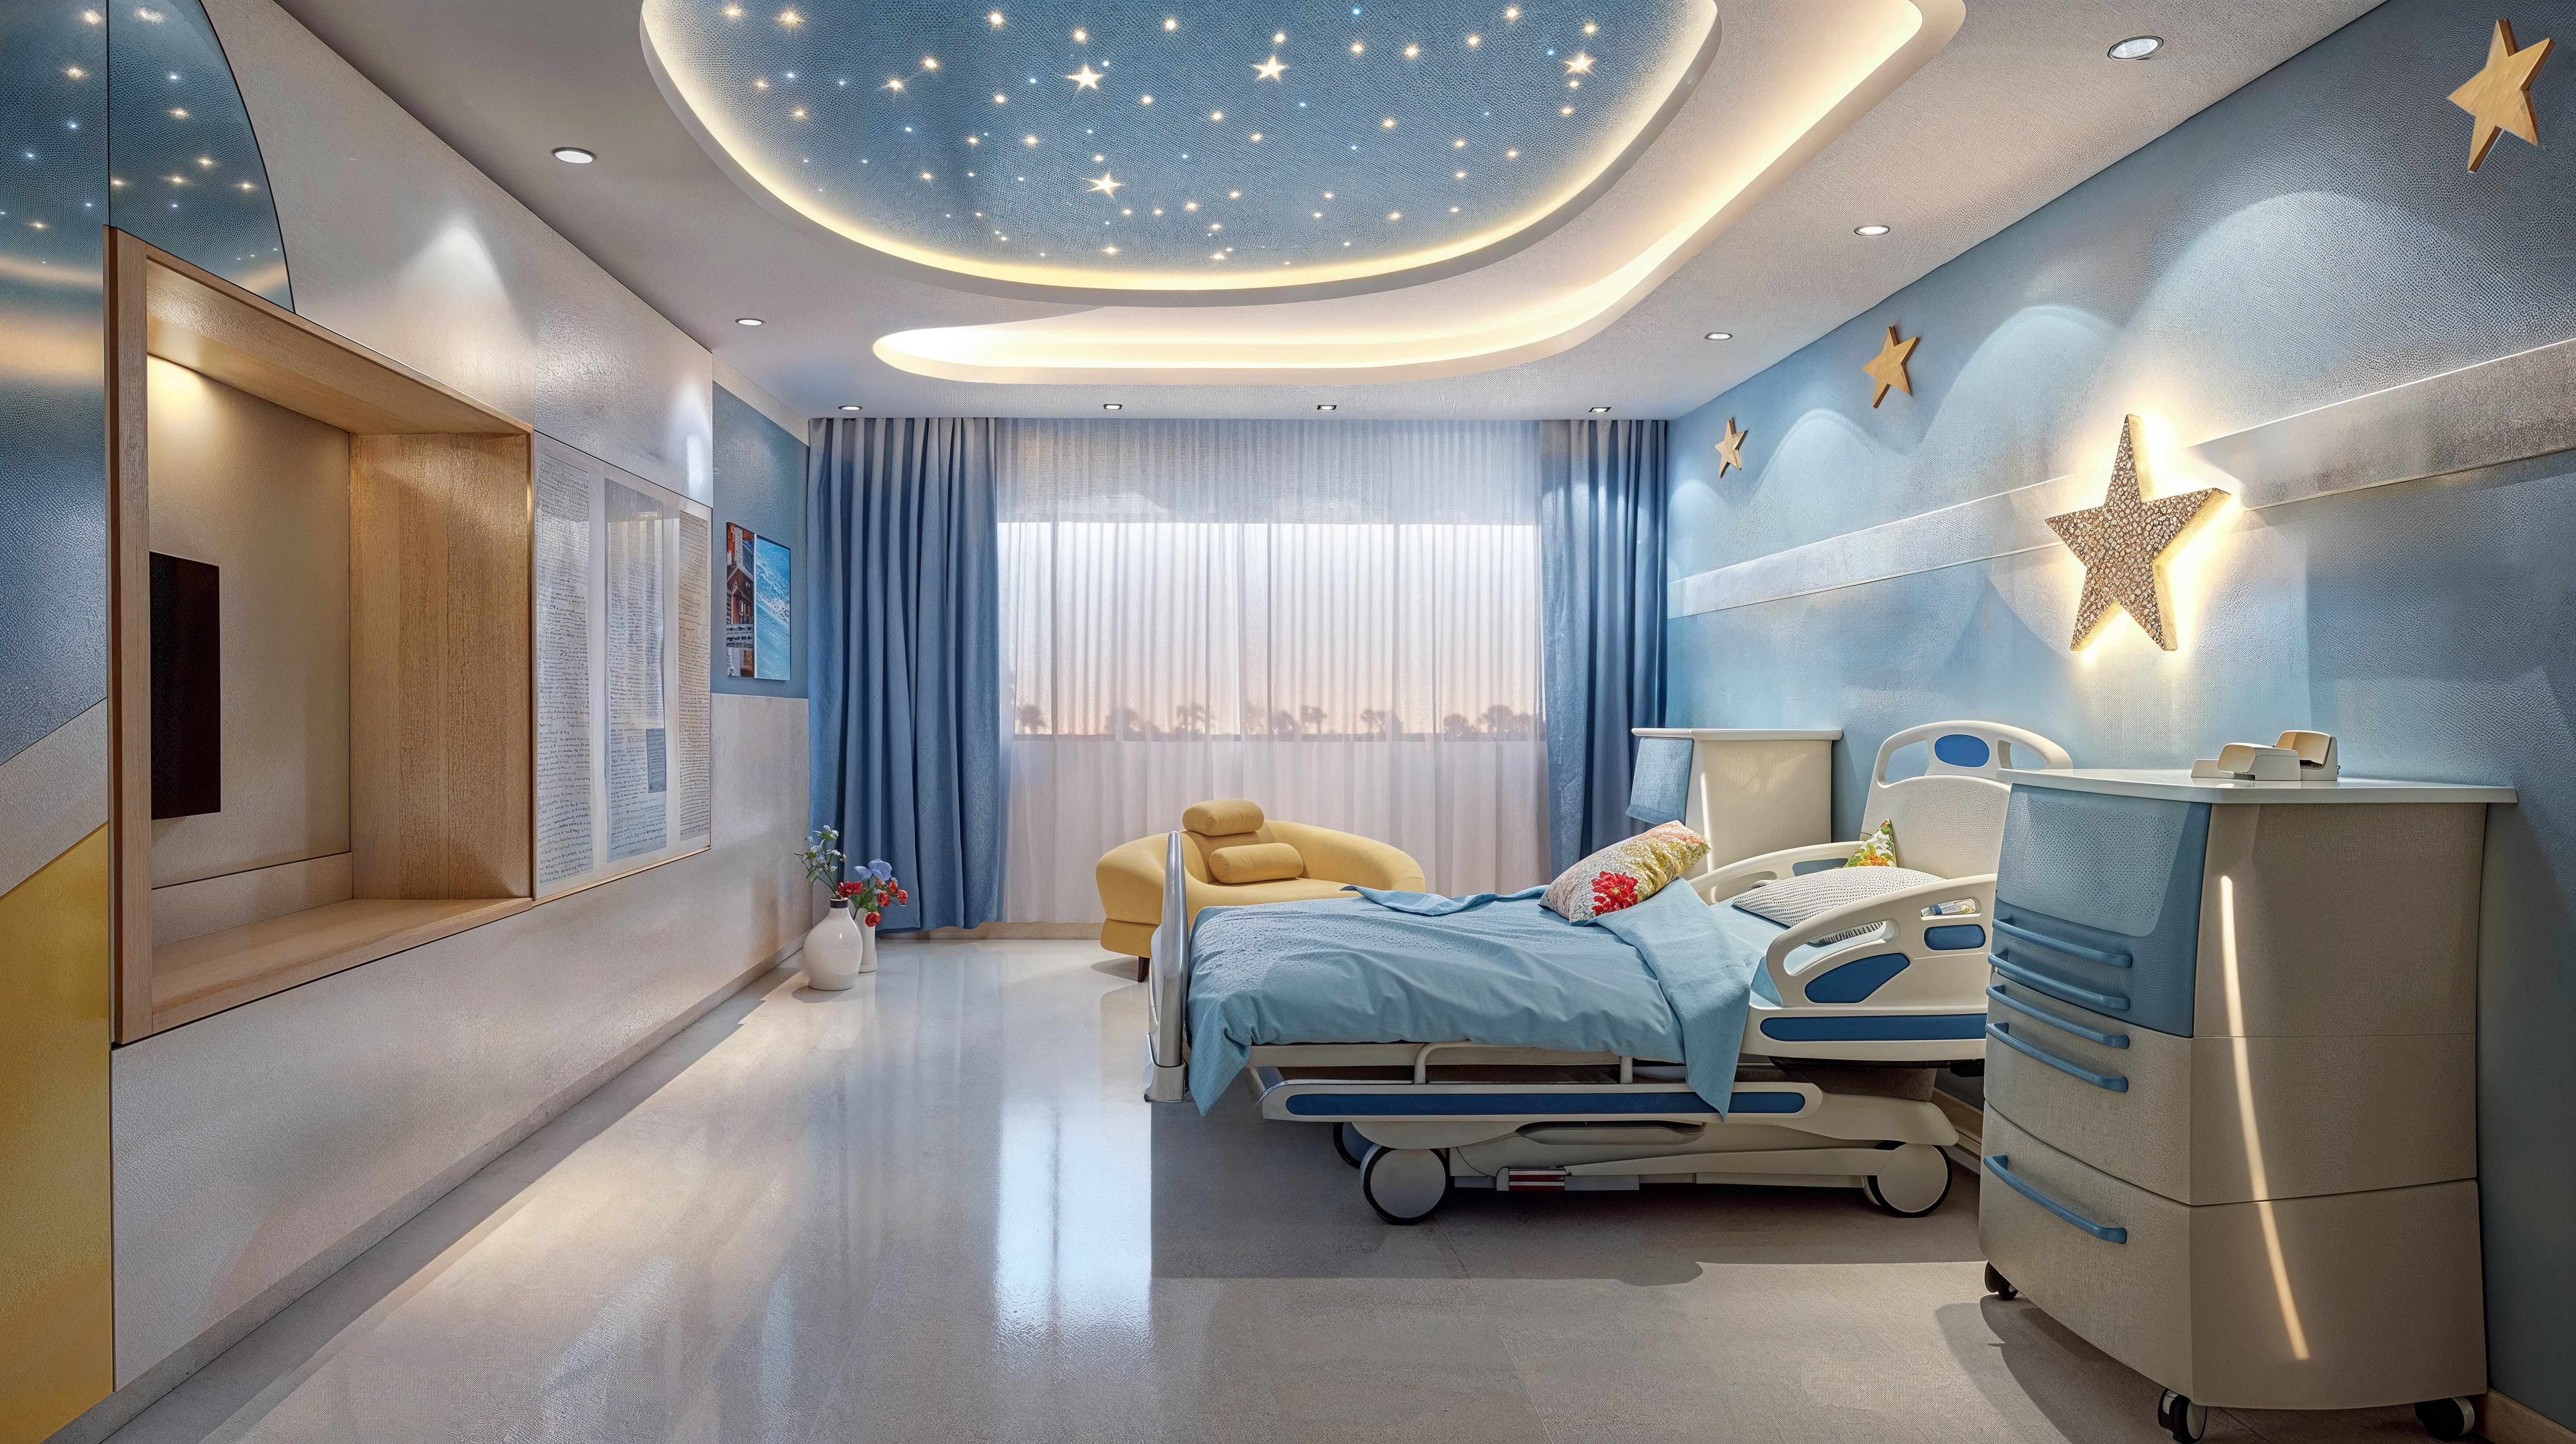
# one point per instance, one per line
(795, 145)
(1782, 89)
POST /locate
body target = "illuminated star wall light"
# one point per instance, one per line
(1201, 145)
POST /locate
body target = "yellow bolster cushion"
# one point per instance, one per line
(1228, 815)
(1261, 862)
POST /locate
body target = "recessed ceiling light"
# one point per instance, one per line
(1873, 229)
(2137, 47)
(1597, 410)
(854, 408)
(1719, 336)
(1112, 406)
(749, 321)
(1328, 406)
(573, 155)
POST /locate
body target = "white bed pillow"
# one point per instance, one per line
(1793, 900)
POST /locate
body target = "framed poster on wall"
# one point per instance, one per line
(741, 634)
(624, 745)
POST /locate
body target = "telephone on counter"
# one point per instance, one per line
(2297, 757)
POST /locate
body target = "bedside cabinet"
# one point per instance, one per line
(2231, 1127)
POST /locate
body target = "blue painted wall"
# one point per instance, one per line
(2311, 238)
(90, 98)
(760, 483)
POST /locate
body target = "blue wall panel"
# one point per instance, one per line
(94, 121)
(760, 483)
(53, 401)
(2313, 237)
(185, 170)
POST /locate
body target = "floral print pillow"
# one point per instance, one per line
(1625, 873)
(1878, 849)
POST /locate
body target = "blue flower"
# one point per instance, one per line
(880, 871)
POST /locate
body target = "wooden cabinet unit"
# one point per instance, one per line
(437, 706)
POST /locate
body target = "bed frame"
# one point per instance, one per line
(1420, 1118)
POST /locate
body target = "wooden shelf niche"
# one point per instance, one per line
(375, 755)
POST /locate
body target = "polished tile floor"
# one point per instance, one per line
(935, 1208)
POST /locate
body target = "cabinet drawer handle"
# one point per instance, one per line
(2108, 1082)
(2062, 991)
(1996, 1164)
(2072, 950)
(2107, 1040)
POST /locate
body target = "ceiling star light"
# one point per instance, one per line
(1730, 448)
(2123, 544)
(1106, 183)
(574, 155)
(1578, 64)
(818, 169)
(1887, 368)
(2137, 47)
(2498, 98)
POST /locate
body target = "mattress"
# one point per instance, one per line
(1646, 982)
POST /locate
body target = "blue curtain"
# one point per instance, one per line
(907, 701)
(1601, 558)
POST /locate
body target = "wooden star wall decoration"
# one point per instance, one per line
(1887, 368)
(2498, 98)
(1730, 451)
(2123, 543)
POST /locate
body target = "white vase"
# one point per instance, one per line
(838, 949)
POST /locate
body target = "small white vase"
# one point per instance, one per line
(838, 949)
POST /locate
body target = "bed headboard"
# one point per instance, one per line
(1747, 791)
(1950, 821)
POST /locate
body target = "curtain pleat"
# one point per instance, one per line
(1339, 621)
(907, 676)
(1601, 524)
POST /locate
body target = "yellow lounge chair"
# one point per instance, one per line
(1232, 839)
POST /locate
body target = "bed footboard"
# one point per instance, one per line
(1167, 984)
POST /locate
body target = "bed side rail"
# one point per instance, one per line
(1167, 984)
(1902, 910)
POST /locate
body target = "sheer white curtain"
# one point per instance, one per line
(1339, 621)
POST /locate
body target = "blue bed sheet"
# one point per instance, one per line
(1656, 981)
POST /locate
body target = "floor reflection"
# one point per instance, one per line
(935, 1208)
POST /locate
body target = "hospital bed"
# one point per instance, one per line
(1831, 1078)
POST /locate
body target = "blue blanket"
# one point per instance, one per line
(1656, 981)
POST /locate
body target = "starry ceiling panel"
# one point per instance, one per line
(1192, 147)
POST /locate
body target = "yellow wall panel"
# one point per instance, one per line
(57, 1338)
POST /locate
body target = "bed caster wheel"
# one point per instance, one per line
(1350, 1145)
(2448, 1418)
(1404, 1185)
(2002, 1288)
(1915, 1180)
(2183, 1419)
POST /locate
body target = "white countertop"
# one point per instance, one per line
(1735, 734)
(2181, 786)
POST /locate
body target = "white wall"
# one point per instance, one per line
(257, 1150)
(260, 1148)
(396, 242)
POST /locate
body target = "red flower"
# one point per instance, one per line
(1612, 891)
(872, 918)
(846, 890)
(902, 896)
